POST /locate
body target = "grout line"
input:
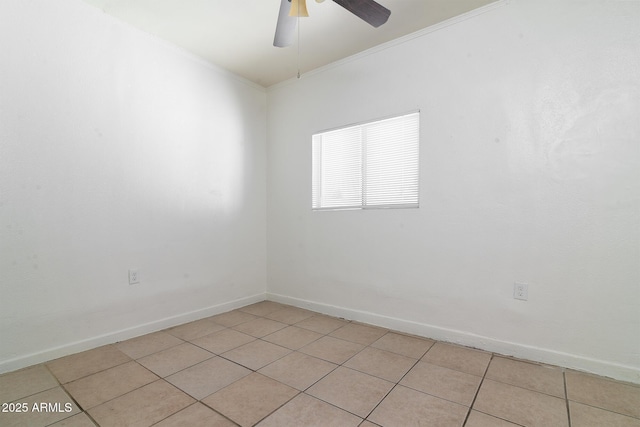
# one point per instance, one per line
(335, 406)
(320, 379)
(189, 406)
(207, 406)
(90, 418)
(473, 402)
(82, 410)
(471, 408)
(183, 369)
(58, 383)
(520, 386)
(566, 396)
(397, 383)
(383, 398)
(68, 393)
(270, 413)
(405, 374)
(503, 419)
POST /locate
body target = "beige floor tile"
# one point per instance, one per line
(25, 382)
(462, 359)
(405, 407)
(603, 393)
(290, 315)
(197, 329)
(298, 370)
(232, 318)
(42, 409)
(262, 308)
(142, 407)
(308, 411)
(366, 423)
(292, 337)
(148, 344)
(445, 383)
(588, 416)
(322, 324)
(256, 354)
(89, 362)
(207, 377)
(402, 344)
(223, 341)
(196, 415)
(332, 349)
(382, 364)
(250, 399)
(259, 327)
(108, 384)
(351, 390)
(478, 419)
(544, 379)
(174, 359)
(521, 406)
(79, 420)
(358, 333)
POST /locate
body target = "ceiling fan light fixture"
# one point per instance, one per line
(298, 8)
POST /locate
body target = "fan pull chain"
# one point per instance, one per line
(298, 47)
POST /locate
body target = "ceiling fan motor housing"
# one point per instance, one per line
(298, 8)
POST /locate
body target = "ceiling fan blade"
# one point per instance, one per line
(286, 27)
(367, 10)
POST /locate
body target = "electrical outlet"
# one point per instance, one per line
(134, 277)
(521, 291)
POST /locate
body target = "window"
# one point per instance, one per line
(372, 165)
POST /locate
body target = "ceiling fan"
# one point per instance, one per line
(367, 10)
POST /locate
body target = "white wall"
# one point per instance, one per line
(116, 152)
(530, 172)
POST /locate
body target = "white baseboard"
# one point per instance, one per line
(124, 334)
(522, 351)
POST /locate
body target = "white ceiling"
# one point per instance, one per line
(238, 35)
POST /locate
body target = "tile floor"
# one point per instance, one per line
(269, 364)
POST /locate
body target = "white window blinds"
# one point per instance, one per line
(373, 165)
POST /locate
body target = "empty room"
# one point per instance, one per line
(322, 213)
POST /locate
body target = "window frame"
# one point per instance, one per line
(363, 205)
